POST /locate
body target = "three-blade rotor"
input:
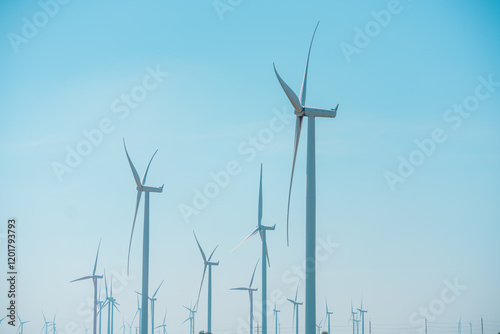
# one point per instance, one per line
(301, 110)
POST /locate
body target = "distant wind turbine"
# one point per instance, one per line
(45, 324)
(362, 312)
(153, 300)
(209, 264)
(141, 187)
(94, 279)
(275, 319)
(133, 319)
(328, 314)
(192, 311)
(163, 325)
(20, 329)
(262, 231)
(318, 326)
(250, 294)
(301, 111)
(353, 319)
(111, 303)
(296, 310)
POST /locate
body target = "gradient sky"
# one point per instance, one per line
(397, 248)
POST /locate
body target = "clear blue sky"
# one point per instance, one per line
(396, 246)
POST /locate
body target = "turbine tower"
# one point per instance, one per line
(328, 314)
(301, 110)
(362, 312)
(209, 264)
(262, 231)
(45, 323)
(141, 187)
(250, 294)
(296, 310)
(275, 319)
(94, 279)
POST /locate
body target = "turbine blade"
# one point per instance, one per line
(267, 252)
(298, 127)
(289, 93)
(210, 257)
(248, 237)
(251, 281)
(157, 289)
(81, 278)
(240, 289)
(134, 171)
(96, 257)
(304, 81)
(147, 169)
(260, 198)
(138, 200)
(201, 250)
(201, 285)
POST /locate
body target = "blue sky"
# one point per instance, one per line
(397, 247)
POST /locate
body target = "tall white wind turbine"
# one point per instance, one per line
(301, 110)
(250, 294)
(262, 231)
(207, 263)
(141, 187)
(296, 305)
(163, 325)
(94, 279)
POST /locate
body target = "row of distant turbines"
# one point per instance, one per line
(301, 111)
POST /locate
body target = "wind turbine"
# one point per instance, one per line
(20, 329)
(460, 326)
(353, 318)
(250, 294)
(318, 326)
(470, 326)
(141, 187)
(276, 319)
(45, 323)
(192, 311)
(191, 320)
(362, 312)
(153, 299)
(262, 231)
(132, 323)
(296, 310)
(54, 330)
(123, 325)
(302, 110)
(328, 314)
(111, 303)
(208, 264)
(164, 326)
(94, 279)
